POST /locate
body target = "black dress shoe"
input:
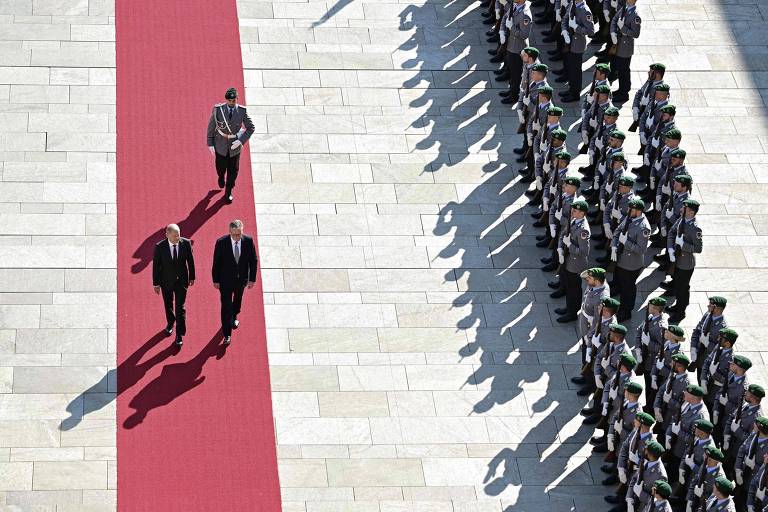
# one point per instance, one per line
(561, 311)
(542, 244)
(536, 215)
(509, 100)
(178, 342)
(585, 391)
(221, 182)
(235, 323)
(608, 468)
(503, 78)
(579, 379)
(558, 72)
(588, 411)
(611, 480)
(549, 268)
(668, 293)
(229, 199)
(601, 448)
(227, 340)
(614, 499)
(555, 285)
(539, 224)
(591, 420)
(557, 294)
(488, 21)
(168, 329)
(505, 93)
(519, 151)
(519, 159)
(530, 193)
(527, 179)
(566, 318)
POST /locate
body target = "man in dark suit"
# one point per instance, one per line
(234, 267)
(173, 271)
(226, 139)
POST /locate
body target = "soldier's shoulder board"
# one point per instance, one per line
(217, 105)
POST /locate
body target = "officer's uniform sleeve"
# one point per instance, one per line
(631, 29)
(585, 25)
(211, 128)
(696, 243)
(639, 243)
(249, 127)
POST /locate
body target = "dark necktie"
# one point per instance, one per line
(175, 255)
(230, 113)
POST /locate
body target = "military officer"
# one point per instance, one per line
(600, 77)
(741, 422)
(528, 56)
(576, 25)
(672, 209)
(630, 454)
(529, 99)
(625, 28)
(661, 493)
(694, 455)
(617, 203)
(658, 167)
(604, 168)
(544, 164)
(606, 364)
(705, 334)
(671, 396)
(591, 302)
(614, 400)
(684, 241)
(543, 137)
(675, 166)
(621, 426)
(594, 116)
(515, 30)
(537, 120)
(750, 457)
(757, 497)
(649, 343)
(573, 251)
(652, 114)
(645, 93)
(597, 336)
(559, 219)
(714, 371)
(652, 149)
(703, 478)
(600, 142)
(720, 500)
(731, 395)
(553, 189)
(641, 486)
(679, 433)
(226, 137)
(628, 248)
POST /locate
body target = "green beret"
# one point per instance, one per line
(655, 448)
(231, 93)
(626, 181)
(611, 111)
(662, 488)
(742, 362)
(618, 157)
(572, 180)
(718, 301)
(636, 204)
(596, 272)
(762, 423)
(618, 134)
(681, 358)
(630, 362)
(559, 134)
(684, 179)
(673, 133)
(658, 301)
(658, 66)
(634, 388)
(580, 205)
(692, 204)
(713, 452)
(563, 155)
(618, 328)
(729, 334)
(610, 302)
(603, 67)
(662, 87)
(645, 419)
(676, 330)
(724, 485)
(546, 90)
(540, 67)
(668, 109)
(677, 152)
(757, 390)
(704, 425)
(695, 390)
(555, 111)
(530, 50)
(603, 89)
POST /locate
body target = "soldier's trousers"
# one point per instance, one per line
(620, 71)
(681, 281)
(626, 286)
(650, 393)
(227, 168)
(572, 63)
(572, 284)
(514, 64)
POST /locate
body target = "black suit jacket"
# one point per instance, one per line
(165, 272)
(225, 271)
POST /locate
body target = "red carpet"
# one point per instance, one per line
(195, 431)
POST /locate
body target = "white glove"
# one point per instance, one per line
(502, 37)
(666, 190)
(679, 241)
(655, 142)
(213, 151)
(649, 121)
(560, 255)
(558, 16)
(607, 14)
(638, 355)
(620, 23)
(644, 100)
(630, 505)
(638, 489)
(553, 189)
(635, 113)
(667, 214)
(646, 160)
(588, 355)
(520, 114)
(698, 490)
(645, 338)
(599, 143)
(657, 414)
(681, 473)
(559, 214)
(750, 508)
(509, 22)
(654, 383)
(566, 37)
(598, 382)
(236, 144)
(676, 428)
(552, 230)
(529, 137)
(739, 477)
(614, 255)
(614, 39)
(585, 137)
(658, 203)
(671, 255)
(593, 122)
(526, 101)
(623, 475)
(572, 23)
(616, 213)
(607, 230)
(538, 182)
(604, 410)
(623, 238)
(567, 241)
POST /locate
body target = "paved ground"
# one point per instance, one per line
(414, 360)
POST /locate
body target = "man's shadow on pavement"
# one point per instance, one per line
(198, 216)
(131, 371)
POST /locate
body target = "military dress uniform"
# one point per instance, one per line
(574, 248)
(695, 453)
(630, 244)
(593, 118)
(714, 372)
(622, 415)
(704, 337)
(596, 339)
(684, 241)
(229, 128)
(738, 426)
(645, 93)
(757, 495)
(669, 401)
(703, 479)
(731, 395)
(575, 26)
(749, 458)
(640, 488)
(666, 173)
(679, 433)
(598, 144)
(625, 28)
(607, 361)
(611, 203)
(656, 143)
(651, 115)
(670, 212)
(649, 342)
(591, 306)
(591, 96)
(516, 29)
(631, 453)
(715, 505)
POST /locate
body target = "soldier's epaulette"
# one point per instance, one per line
(216, 105)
